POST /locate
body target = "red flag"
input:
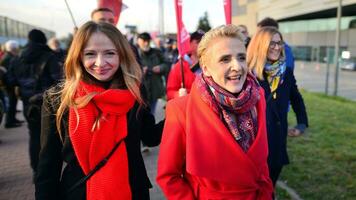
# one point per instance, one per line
(227, 9)
(182, 33)
(114, 5)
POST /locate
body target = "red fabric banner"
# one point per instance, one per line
(182, 33)
(227, 9)
(114, 5)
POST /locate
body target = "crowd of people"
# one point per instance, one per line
(90, 111)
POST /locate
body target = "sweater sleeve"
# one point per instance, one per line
(47, 181)
(298, 103)
(174, 82)
(152, 132)
(171, 159)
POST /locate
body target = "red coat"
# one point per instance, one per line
(199, 159)
(174, 81)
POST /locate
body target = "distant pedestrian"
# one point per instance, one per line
(36, 69)
(189, 68)
(11, 53)
(244, 31)
(55, 45)
(171, 51)
(103, 15)
(2, 50)
(266, 59)
(94, 121)
(214, 143)
(154, 68)
(170, 55)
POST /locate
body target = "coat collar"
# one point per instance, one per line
(213, 153)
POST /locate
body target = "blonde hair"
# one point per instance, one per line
(73, 67)
(258, 49)
(229, 31)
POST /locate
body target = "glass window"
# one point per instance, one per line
(314, 25)
(2, 26)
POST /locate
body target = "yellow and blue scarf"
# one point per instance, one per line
(275, 72)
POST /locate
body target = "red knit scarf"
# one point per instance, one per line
(91, 146)
(237, 111)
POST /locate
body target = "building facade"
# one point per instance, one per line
(308, 26)
(11, 29)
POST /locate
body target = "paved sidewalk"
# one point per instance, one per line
(15, 170)
(312, 77)
(16, 173)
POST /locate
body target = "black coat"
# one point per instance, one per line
(277, 112)
(34, 55)
(52, 184)
(6, 60)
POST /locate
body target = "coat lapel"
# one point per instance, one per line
(212, 151)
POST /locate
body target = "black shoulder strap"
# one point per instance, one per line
(40, 70)
(96, 168)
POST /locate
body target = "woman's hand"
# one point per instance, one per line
(294, 132)
(182, 92)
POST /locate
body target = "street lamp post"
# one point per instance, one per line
(161, 17)
(337, 46)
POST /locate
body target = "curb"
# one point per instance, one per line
(293, 194)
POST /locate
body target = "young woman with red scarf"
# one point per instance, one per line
(97, 115)
(214, 143)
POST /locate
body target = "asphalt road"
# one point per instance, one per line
(311, 76)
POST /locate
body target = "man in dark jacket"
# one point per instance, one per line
(55, 45)
(154, 68)
(36, 69)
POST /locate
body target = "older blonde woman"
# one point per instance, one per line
(214, 143)
(266, 59)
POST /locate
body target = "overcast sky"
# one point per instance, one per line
(53, 14)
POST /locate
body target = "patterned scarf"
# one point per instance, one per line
(274, 74)
(92, 145)
(238, 112)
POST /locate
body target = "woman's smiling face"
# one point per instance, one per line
(100, 57)
(226, 63)
(275, 48)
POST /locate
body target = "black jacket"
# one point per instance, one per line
(52, 184)
(277, 112)
(34, 55)
(6, 60)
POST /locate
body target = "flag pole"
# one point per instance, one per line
(71, 14)
(182, 71)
